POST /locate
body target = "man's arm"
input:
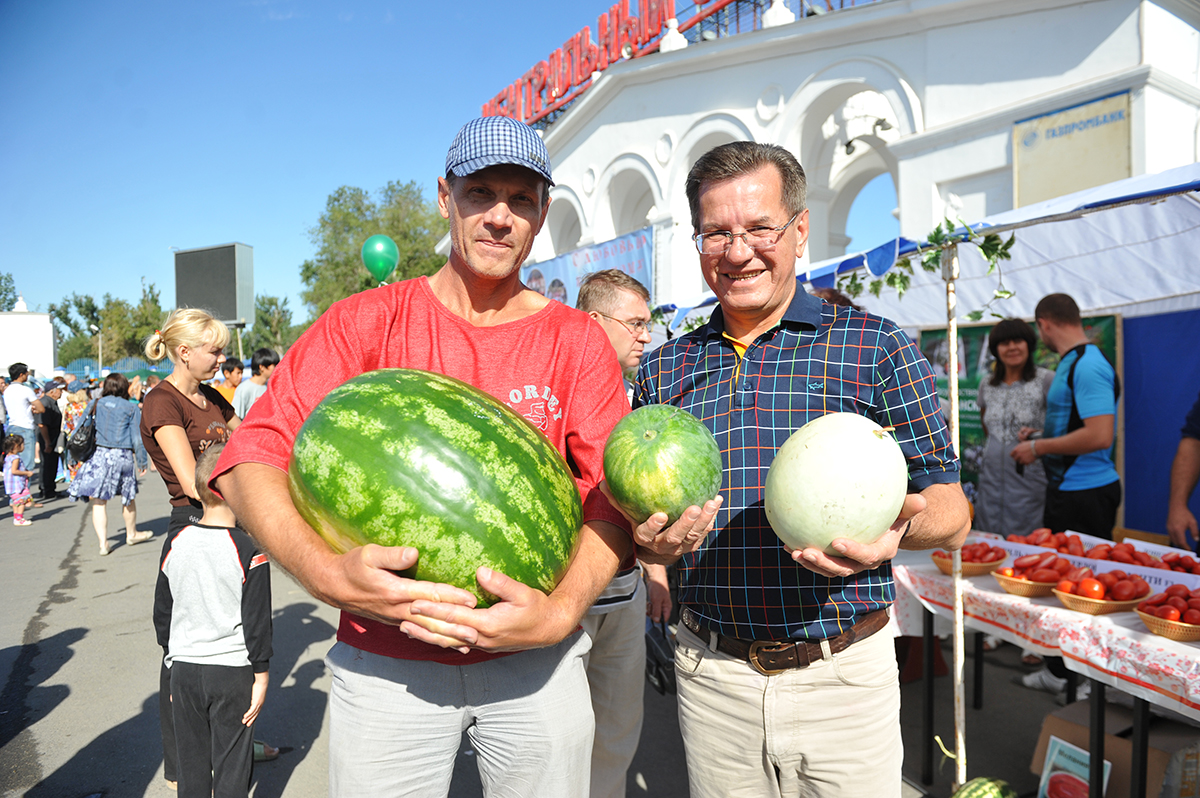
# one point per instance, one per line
(359, 581)
(1185, 473)
(1095, 435)
(526, 618)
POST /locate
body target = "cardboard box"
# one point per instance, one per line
(1169, 740)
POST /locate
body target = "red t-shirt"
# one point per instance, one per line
(556, 368)
(165, 406)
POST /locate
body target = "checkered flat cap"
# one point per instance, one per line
(493, 140)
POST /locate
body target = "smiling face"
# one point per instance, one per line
(1013, 353)
(754, 288)
(494, 215)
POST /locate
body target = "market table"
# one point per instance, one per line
(1114, 650)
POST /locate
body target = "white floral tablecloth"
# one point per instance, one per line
(1114, 649)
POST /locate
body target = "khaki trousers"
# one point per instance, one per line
(831, 730)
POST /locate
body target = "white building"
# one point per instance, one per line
(966, 104)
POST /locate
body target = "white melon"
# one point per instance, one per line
(839, 476)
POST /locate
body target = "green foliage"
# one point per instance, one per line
(124, 326)
(8, 292)
(273, 328)
(993, 248)
(350, 217)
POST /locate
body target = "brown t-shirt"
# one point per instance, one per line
(165, 406)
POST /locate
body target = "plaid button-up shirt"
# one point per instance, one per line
(821, 358)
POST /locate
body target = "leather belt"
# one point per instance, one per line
(769, 657)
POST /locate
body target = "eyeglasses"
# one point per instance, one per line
(636, 328)
(759, 239)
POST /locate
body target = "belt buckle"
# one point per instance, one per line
(758, 645)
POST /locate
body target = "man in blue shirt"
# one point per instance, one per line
(784, 686)
(1185, 473)
(1083, 489)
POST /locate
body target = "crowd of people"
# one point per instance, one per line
(785, 686)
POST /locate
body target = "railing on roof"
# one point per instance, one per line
(698, 23)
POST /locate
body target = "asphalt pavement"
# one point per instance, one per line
(78, 707)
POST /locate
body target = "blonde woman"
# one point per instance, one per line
(181, 418)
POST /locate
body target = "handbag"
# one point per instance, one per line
(660, 658)
(82, 443)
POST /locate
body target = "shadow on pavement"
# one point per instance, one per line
(294, 713)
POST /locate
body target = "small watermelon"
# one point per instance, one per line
(660, 458)
(985, 788)
(402, 457)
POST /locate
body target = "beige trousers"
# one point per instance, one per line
(831, 730)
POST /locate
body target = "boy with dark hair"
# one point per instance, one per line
(231, 371)
(212, 612)
(262, 363)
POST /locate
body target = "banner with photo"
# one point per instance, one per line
(975, 364)
(559, 278)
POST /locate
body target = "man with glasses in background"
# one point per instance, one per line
(616, 622)
(785, 685)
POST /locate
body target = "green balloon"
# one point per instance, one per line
(380, 256)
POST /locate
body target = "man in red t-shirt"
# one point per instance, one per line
(415, 664)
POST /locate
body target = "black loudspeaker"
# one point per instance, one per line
(217, 279)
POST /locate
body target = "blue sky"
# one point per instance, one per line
(128, 128)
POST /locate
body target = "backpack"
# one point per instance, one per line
(82, 443)
(1075, 421)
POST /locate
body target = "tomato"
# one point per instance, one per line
(1143, 588)
(1079, 573)
(1176, 602)
(1075, 545)
(1145, 607)
(1065, 586)
(1178, 590)
(1171, 556)
(1195, 593)
(1122, 557)
(1015, 538)
(942, 555)
(1143, 558)
(1187, 561)
(1098, 552)
(1044, 575)
(995, 554)
(1123, 590)
(1108, 578)
(1192, 617)
(1119, 574)
(1091, 588)
(1028, 561)
(1038, 536)
(1157, 599)
(1193, 604)
(1005, 571)
(1063, 566)
(1167, 613)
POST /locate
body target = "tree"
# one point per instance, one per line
(351, 216)
(8, 291)
(124, 326)
(273, 328)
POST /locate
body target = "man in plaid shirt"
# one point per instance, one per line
(784, 687)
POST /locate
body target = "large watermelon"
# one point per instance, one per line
(660, 458)
(402, 457)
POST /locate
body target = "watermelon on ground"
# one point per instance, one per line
(403, 457)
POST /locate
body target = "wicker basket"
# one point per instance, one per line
(946, 566)
(1091, 606)
(1172, 630)
(1023, 587)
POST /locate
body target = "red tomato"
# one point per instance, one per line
(1108, 578)
(1015, 538)
(995, 554)
(942, 555)
(1178, 590)
(1123, 590)
(1079, 573)
(1143, 558)
(1176, 602)
(1091, 588)
(1192, 617)
(1157, 599)
(1187, 561)
(1145, 607)
(1027, 561)
(1168, 613)
(1195, 593)
(1119, 574)
(1038, 536)
(1065, 586)
(1075, 545)
(1005, 571)
(1193, 604)
(1118, 555)
(1171, 556)
(1063, 566)
(1099, 552)
(1044, 575)
(1143, 588)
